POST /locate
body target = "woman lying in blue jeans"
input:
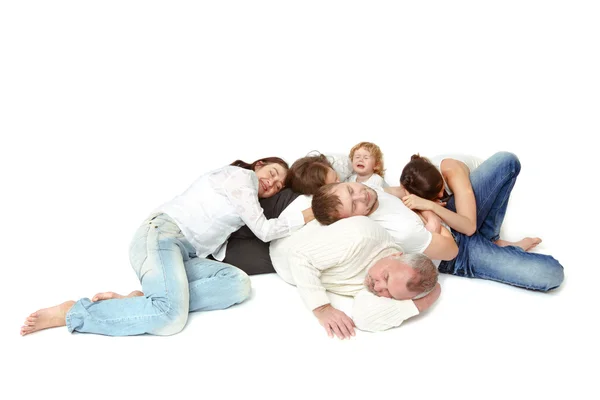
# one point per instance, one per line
(475, 194)
(168, 254)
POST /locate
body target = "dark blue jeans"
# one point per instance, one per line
(478, 256)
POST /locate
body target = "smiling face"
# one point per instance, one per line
(271, 178)
(356, 199)
(363, 163)
(389, 277)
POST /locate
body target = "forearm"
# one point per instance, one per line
(426, 302)
(308, 215)
(305, 268)
(372, 313)
(456, 221)
(397, 191)
(442, 246)
(432, 221)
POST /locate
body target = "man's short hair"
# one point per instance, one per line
(427, 275)
(326, 205)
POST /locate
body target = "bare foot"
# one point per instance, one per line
(46, 318)
(526, 244)
(113, 295)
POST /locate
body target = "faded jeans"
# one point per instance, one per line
(174, 281)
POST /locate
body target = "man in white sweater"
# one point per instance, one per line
(354, 257)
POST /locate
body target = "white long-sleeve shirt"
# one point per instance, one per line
(336, 258)
(218, 204)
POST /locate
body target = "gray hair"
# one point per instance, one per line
(427, 273)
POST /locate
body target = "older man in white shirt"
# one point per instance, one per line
(354, 257)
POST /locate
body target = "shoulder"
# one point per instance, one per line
(358, 226)
(238, 175)
(376, 179)
(451, 166)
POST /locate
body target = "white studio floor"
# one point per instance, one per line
(110, 110)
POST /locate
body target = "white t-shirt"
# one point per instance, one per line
(401, 222)
(374, 180)
(472, 162)
(218, 204)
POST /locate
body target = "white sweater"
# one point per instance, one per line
(336, 258)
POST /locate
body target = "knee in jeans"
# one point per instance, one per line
(174, 324)
(244, 287)
(552, 276)
(511, 160)
(174, 316)
(557, 276)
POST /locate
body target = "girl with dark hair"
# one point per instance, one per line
(475, 193)
(169, 255)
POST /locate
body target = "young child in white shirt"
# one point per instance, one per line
(367, 164)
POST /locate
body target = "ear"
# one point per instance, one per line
(258, 166)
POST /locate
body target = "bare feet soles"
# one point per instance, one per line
(113, 295)
(46, 318)
(526, 244)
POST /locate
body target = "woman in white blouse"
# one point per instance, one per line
(168, 254)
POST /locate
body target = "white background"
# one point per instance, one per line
(108, 109)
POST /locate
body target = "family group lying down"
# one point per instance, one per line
(327, 223)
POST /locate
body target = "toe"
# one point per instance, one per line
(103, 296)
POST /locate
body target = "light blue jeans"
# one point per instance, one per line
(478, 256)
(174, 281)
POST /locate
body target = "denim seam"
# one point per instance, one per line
(163, 272)
(495, 279)
(208, 280)
(101, 321)
(503, 181)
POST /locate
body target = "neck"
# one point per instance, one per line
(402, 192)
(363, 177)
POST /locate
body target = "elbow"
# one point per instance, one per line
(360, 323)
(263, 237)
(471, 230)
(452, 253)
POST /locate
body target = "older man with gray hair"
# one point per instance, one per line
(355, 257)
